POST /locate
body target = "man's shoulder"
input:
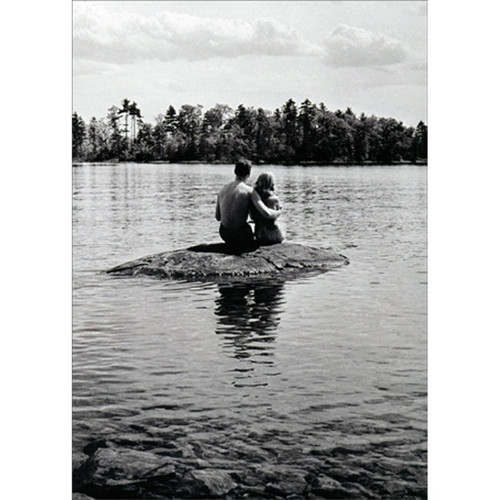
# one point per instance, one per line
(244, 188)
(225, 187)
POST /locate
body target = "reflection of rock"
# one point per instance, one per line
(215, 260)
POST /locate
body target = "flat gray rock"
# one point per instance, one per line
(215, 260)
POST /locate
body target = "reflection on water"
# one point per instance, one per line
(248, 315)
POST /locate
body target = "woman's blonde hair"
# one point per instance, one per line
(265, 183)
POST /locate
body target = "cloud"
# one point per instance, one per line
(348, 46)
(84, 67)
(124, 37)
(418, 66)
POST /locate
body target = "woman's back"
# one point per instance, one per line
(267, 231)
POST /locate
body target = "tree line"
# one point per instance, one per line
(292, 134)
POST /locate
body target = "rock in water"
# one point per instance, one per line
(206, 483)
(214, 260)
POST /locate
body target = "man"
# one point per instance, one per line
(233, 205)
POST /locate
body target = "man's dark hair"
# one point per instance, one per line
(242, 168)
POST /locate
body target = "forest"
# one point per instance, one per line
(305, 134)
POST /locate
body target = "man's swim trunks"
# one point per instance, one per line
(240, 238)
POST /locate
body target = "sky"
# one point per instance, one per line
(370, 56)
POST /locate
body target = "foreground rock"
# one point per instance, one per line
(207, 483)
(213, 260)
(259, 467)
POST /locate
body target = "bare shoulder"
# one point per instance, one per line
(224, 188)
(247, 189)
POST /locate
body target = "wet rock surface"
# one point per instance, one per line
(80, 496)
(194, 470)
(213, 260)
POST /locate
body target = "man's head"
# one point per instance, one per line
(242, 168)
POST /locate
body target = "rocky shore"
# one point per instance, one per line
(184, 471)
(214, 260)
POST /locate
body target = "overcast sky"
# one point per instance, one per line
(370, 56)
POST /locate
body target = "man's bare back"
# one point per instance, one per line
(233, 204)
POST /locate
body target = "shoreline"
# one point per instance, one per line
(422, 163)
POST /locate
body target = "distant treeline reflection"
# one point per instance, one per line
(309, 133)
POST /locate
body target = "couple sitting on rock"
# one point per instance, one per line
(237, 200)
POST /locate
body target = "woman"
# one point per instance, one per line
(267, 231)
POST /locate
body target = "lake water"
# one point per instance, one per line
(276, 382)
